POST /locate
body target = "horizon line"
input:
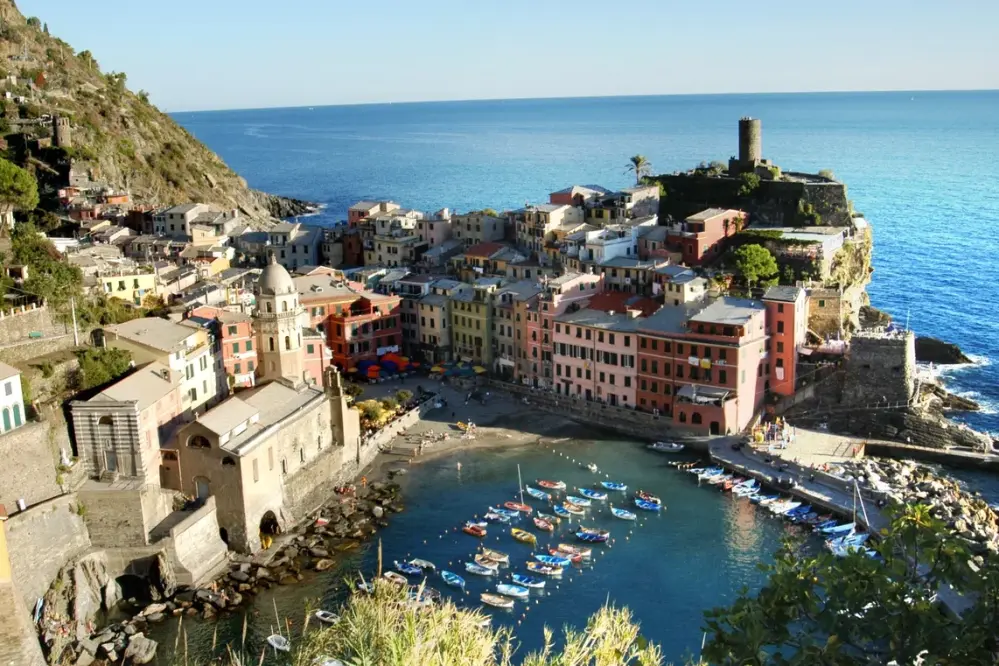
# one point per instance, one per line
(585, 97)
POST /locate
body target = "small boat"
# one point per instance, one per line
(478, 569)
(839, 529)
(486, 562)
(561, 511)
(393, 577)
(623, 515)
(537, 494)
(326, 617)
(592, 467)
(709, 472)
(614, 485)
(408, 569)
(423, 564)
(573, 509)
(497, 518)
(592, 530)
(543, 524)
(523, 536)
(830, 522)
(553, 560)
(695, 470)
(528, 581)
(497, 600)
(854, 539)
(453, 579)
(474, 530)
(767, 500)
(648, 497)
(666, 447)
(496, 556)
(517, 506)
(515, 591)
(780, 508)
(544, 569)
(509, 513)
(279, 642)
(578, 501)
(720, 479)
(551, 485)
(477, 523)
(569, 549)
(747, 488)
(554, 520)
(732, 483)
(573, 559)
(592, 494)
(648, 506)
(590, 537)
(369, 588)
(819, 519)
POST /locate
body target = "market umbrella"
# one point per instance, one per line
(437, 368)
(479, 370)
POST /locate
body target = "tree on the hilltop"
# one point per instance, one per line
(34, 22)
(491, 212)
(88, 59)
(857, 610)
(639, 166)
(754, 262)
(18, 189)
(143, 95)
(750, 181)
(45, 28)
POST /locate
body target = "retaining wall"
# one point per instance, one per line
(16, 325)
(30, 455)
(196, 550)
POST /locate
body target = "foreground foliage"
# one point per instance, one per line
(819, 609)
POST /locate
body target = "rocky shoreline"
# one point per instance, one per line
(285, 207)
(969, 516)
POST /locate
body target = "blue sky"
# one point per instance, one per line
(225, 54)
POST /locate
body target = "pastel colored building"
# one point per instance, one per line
(365, 209)
(787, 322)
(131, 287)
(435, 229)
(435, 319)
(577, 195)
(678, 285)
(11, 398)
(472, 322)
(596, 356)
(700, 238)
(234, 336)
(478, 227)
(532, 224)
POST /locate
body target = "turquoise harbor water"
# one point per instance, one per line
(666, 568)
(923, 167)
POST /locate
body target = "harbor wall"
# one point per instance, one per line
(30, 456)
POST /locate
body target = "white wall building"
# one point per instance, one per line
(11, 401)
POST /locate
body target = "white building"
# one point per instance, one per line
(11, 401)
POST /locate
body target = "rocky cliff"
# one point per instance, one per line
(116, 137)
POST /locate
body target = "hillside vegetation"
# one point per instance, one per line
(118, 137)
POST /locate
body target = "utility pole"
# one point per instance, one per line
(76, 332)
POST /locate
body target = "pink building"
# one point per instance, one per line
(595, 356)
(234, 338)
(577, 195)
(787, 323)
(435, 230)
(317, 355)
(701, 237)
(362, 210)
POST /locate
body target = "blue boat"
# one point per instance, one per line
(647, 506)
(537, 494)
(561, 512)
(578, 501)
(623, 515)
(592, 494)
(613, 485)
(528, 581)
(758, 499)
(453, 579)
(590, 537)
(509, 513)
(472, 567)
(827, 523)
(515, 591)
(554, 560)
(497, 518)
(407, 568)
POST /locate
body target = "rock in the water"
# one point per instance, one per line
(378, 512)
(152, 609)
(319, 552)
(239, 576)
(156, 617)
(140, 650)
(932, 350)
(323, 565)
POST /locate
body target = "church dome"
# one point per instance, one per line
(275, 280)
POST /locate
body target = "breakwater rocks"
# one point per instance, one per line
(285, 207)
(932, 350)
(970, 517)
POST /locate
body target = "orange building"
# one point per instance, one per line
(701, 238)
(787, 323)
(234, 333)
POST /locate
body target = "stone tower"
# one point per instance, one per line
(750, 142)
(61, 132)
(279, 321)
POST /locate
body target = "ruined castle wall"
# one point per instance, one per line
(880, 369)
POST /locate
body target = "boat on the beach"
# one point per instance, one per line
(569, 507)
(561, 511)
(509, 513)
(486, 562)
(623, 514)
(528, 581)
(515, 591)
(494, 517)
(517, 506)
(647, 506)
(453, 579)
(326, 617)
(554, 520)
(395, 578)
(474, 530)
(551, 485)
(408, 569)
(553, 560)
(544, 569)
(537, 494)
(666, 447)
(592, 467)
(590, 537)
(592, 494)
(614, 485)
(578, 501)
(279, 642)
(478, 569)
(423, 564)
(523, 536)
(496, 555)
(497, 600)
(543, 524)
(648, 497)
(581, 551)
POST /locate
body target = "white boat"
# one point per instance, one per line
(784, 507)
(515, 591)
(423, 564)
(710, 473)
(279, 642)
(666, 447)
(746, 489)
(327, 617)
(721, 478)
(839, 529)
(846, 542)
(592, 467)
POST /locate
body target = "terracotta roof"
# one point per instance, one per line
(484, 250)
(619, 301)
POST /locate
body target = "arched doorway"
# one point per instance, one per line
(105, 434)
(695, 418)
(269, 527)
(17, 415)
(715, 428)
(202, 488)
(6, 419)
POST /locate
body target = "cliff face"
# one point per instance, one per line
(116, 137)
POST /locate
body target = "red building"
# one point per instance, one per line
(234, 333)
(701, 237)
(787, 322)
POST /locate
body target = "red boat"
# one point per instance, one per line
(474, 530)
(516, 506)
(648, 497)
(575, 558)
(543, 524)
(551, 485)
(731, 483)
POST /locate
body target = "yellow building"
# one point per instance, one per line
(130, 287)
(472, 322)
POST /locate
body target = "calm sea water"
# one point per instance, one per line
(923, 167)
(666, 568)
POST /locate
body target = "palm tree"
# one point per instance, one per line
(640, 166)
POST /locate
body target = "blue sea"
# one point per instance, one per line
(923, 167)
